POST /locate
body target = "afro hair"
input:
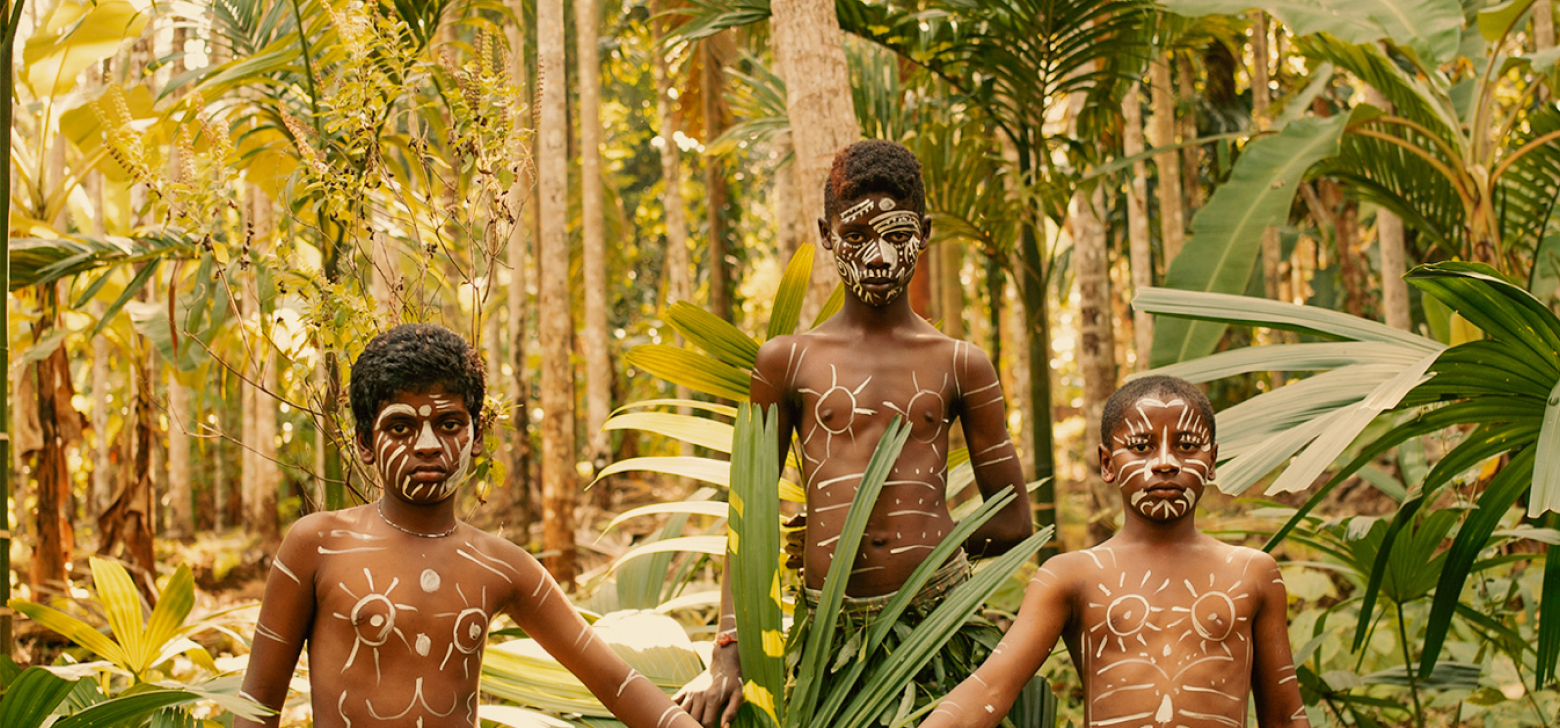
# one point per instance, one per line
(414, 358)
(870, 166)
(1154, 386)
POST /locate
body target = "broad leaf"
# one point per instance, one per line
(1430, 27)
(1226, 233)
(32, 697)
(75, 36)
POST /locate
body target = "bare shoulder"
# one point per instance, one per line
(1252, 561)
(1067, 570)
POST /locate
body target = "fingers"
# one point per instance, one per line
(732, 704)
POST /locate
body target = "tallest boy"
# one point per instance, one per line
(838, 386)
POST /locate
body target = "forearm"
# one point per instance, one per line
(981, 701)
(640, 704)
(1002, 532)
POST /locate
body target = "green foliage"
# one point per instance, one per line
(859, 694)
(1227, 232)
(135, 647)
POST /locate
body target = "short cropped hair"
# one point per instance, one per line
(870, 166)
(414, 358)
(1154, 386)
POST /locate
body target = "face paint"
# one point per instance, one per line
(423, 444)
(876, 258)
(1162, 458)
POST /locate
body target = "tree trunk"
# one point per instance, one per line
(1140, 246)
(715, 183)
(678, 267)
(1161, 132)
(1096, 346)
(792, 229)
(1186, 128)
(806, 42)
(59, 427)
(598, 367)
(261, 477)
(126, 526)
(1543, 34)
(522, 209)
(552, 170)
(181, 503)
(1272, 250)
(950, 289)
(1389, 243)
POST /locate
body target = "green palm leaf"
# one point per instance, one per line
(787, 310)
(713, 334)
(699, 372)
(752, 551)
(1429, 27)
(1219, 256)
(32, 697)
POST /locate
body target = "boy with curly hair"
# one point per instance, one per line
(394, 598)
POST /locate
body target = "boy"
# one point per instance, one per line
(1167, 626)
(394, 598)
(839, 385)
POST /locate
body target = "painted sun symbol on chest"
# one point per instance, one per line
(834, 412)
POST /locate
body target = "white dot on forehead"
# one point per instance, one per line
(425, 410)
(886, 204)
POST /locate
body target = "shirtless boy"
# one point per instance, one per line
(1167, 626)
(394, 598)
(838, 386)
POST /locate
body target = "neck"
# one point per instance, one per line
(1138, 528)
(428, 519)
(896, 314)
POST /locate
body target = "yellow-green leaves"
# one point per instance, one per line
(75, 36)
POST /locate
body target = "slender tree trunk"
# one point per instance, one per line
(558, 473)
(598, 366)
(1161, 132)
(1272, 250)
(806, 41)
(181, 503)
(792, 232)
(261, 477)
(1096, 345)
(715, 183)
(1186, 127)
(950, 290)
(59, 427)
(1544, 34)
(522, 208)
(1140, 246)
(127, 524)
(1389, 242)
(676, 217)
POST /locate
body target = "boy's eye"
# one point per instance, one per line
(452, 425)
(399, 428)
(853, 238)
(898, 237)
(1139, 447)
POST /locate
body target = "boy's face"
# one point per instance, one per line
(876, 241)
(1162, 456)
(422, 445)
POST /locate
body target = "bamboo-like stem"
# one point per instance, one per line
(13, 15)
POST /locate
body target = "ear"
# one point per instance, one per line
(1107, 473)
(1213, 463)
(824, 237)
(365, 450)
(926, 231)
(476, 443)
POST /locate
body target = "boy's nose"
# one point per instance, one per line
(426, 442)
(1165, 463)
(879, 255)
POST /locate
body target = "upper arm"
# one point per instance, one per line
(1273, 680)
(771, 383)
(286, 615)
(983, 415)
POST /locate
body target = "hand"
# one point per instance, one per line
(795, 534)
(713, 697)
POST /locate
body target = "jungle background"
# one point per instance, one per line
(1340, 215)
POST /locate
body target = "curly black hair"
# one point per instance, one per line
(874, 165)
(1157, 385)
(413, 358)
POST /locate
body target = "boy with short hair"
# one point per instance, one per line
(838, 386)
(394, 598)
(1167, 626)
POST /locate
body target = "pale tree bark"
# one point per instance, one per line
(598, 365)
(1543, 25)
(552, 169)
(102, 473)
(181, 504)
(522, 209)
(1140, 247)
(806, 41)
(1389, 242)
(1096, 344)
(260, 474)
(678, 267)
(1161, 132)
(1272, 250)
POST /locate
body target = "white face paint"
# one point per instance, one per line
(876, 253)
(423, 445)
(1162, 457)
